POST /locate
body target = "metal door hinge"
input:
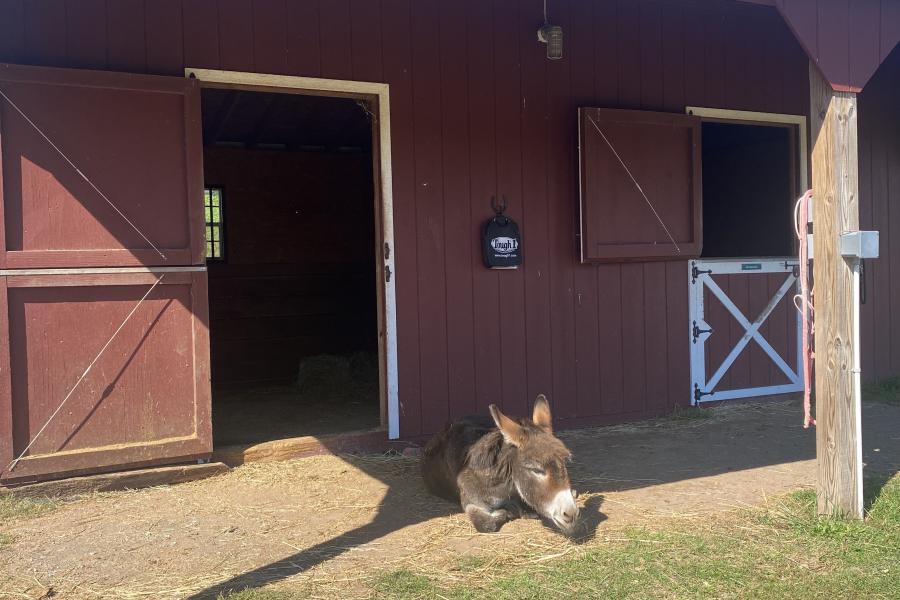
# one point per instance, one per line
(698, 394)
(695, 273)
(387, 273)
(697, 331)
(387, 251)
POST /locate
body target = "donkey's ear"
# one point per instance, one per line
(512, 431)
(541, 414)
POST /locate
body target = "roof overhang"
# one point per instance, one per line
(847, 39)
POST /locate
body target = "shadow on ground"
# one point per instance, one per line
(660, 459)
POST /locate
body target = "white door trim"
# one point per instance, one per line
(381, 92)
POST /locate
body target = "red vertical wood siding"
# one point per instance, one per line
(477, 110)
(126, 45)
(879, 183)
(561, 240)
(509, 156)
(12, 30)
(457, 212)
(270, 50)
(201, 33)
(587, 345)
(164, 37)
(535, 220)
(86, 29)
(482, 132)
(429, 235)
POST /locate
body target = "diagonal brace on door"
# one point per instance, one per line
(751, 330)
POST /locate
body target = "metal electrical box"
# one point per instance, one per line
(859, 244)
(854, 244)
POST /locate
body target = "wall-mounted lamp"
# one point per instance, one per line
(552, 35)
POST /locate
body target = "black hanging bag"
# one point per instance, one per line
(501, 244)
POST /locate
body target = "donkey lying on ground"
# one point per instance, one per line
(498, 473)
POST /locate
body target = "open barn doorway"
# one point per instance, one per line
(292, 206)
(744, 328)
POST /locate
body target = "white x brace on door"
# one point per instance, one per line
(701, 274)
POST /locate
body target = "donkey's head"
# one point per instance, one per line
(539, 464)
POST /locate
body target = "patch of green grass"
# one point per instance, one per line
(886, 390)
(470, 563)
(403, 584)
(12, 508)
(691, 413)
(785, 551)
(6, 539)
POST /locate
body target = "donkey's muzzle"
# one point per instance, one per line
(564, 511)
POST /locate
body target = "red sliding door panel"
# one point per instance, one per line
(104, 347)
(146, 399)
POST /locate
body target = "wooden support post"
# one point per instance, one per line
(835, 210)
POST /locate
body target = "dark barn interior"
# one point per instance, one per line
(748, 190)
(293, 322)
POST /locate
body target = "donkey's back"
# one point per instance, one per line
(446, 453)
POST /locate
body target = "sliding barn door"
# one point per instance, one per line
(104, 347)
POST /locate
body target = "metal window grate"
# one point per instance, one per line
(214, 212)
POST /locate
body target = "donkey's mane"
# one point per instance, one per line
(489, 454)
(492, 456)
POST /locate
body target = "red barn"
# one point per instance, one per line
(202, 200)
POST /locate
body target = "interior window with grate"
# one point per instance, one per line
(212, 208)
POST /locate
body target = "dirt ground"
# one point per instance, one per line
(327, 525)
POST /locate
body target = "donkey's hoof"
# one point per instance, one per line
(488, 522)
(487, 527)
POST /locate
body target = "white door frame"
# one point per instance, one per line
(700, 277)
(381, 93)
(703, 389)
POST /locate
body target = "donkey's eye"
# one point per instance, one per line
(537, 471)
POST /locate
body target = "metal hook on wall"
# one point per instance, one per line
(499, 207)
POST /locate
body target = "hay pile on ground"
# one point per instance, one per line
(350, 377)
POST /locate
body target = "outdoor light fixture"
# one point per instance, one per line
(552, 35)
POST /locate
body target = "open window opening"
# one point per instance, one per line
(744, 330)
(293, 297)
(750, 181)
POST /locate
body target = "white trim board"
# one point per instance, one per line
(99, 271)
(338, 87)
(763, 118)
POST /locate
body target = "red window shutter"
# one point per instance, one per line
(662, 153)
